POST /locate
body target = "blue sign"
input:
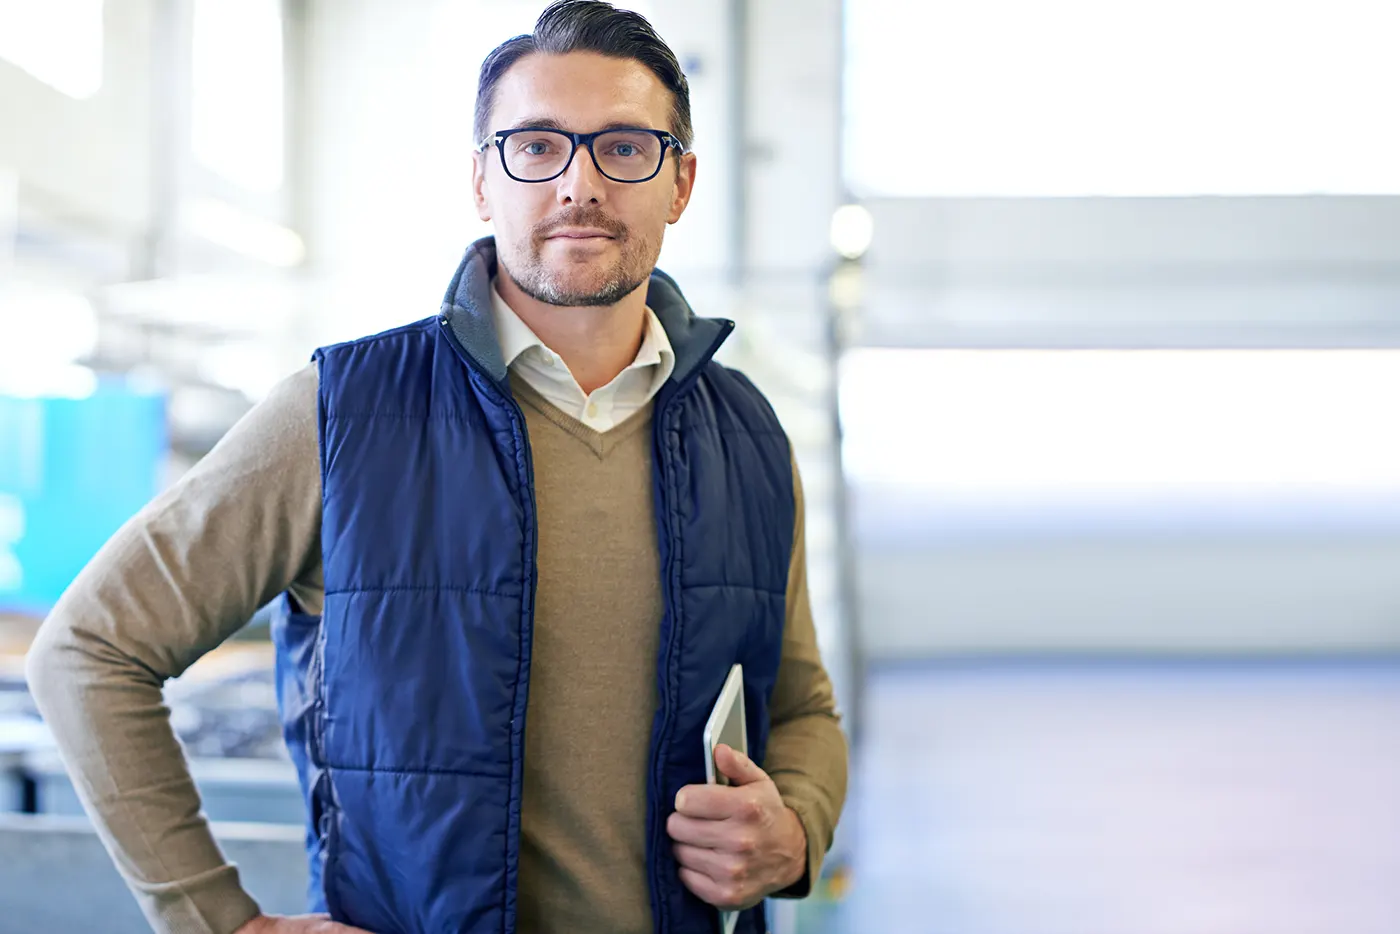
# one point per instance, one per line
(71, 472)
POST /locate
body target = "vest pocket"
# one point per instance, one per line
(328, 831)
(315, 686)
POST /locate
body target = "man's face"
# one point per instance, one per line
(545, 230)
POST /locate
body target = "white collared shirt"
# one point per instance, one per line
(546, 373)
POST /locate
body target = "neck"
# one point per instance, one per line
(595, 342)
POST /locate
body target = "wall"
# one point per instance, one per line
(1208, 272)
(1304, 271)
(87, 162)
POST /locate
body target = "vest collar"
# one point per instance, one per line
(467, 308)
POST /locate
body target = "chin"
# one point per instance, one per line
(583, 277)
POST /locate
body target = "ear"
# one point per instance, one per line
(685, 184)
(483, 205)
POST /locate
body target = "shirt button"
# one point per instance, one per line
(592, 410)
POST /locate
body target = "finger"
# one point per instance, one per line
(708, 890)
(711, 834)
(709, 802)
(724, 868)
(332, 927)
(737, 767)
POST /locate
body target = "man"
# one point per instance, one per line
(519, 546)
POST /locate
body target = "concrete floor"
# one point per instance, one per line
(1020, 798)
(55, 876)
(1192, 798)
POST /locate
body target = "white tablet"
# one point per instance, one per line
(728, 725)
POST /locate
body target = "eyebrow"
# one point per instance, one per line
(549, 123)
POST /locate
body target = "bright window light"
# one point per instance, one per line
(237, 88)
(59, 42)
(1032, 425)
(946, 98)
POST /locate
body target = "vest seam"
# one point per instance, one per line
(423, 589)
(407, 416)
(676, 542)
(420, 328)
(408, 771)
(529, 543)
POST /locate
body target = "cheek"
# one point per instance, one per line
(518, 207)
(648, 215)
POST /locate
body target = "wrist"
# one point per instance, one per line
(797, 849)
(253, 925)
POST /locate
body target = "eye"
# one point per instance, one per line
(625, 150)
(535, 146)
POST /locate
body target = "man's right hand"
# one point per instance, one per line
(298, 924)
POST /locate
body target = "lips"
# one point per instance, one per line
(580, 235)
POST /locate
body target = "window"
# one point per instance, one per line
(57, 41)
(1099, 97)
(1096, 432)
(237, 91)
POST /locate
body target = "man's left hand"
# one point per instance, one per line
(737, 844)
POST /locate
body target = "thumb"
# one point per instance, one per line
(737, 767)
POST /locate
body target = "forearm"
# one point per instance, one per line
(807, 759)
(113, 731)
(173, 583)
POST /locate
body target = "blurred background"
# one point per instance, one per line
(1084, 318)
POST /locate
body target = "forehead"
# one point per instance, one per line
(581, 91)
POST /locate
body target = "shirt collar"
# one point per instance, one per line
(516, 337)
(513, 334)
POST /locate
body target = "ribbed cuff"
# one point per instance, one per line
(212, 902)
(816, 853)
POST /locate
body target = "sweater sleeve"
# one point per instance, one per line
(807, 751)
(174, 582)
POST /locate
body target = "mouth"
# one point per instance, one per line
(580, 234)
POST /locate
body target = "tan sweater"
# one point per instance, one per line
(244, 525)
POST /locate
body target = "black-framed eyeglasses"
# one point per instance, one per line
(542, 154)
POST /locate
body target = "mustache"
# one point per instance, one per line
(580, 217)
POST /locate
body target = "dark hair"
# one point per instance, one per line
(589, 26)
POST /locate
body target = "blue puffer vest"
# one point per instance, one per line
(403, 705)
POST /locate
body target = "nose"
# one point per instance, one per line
(581, 183)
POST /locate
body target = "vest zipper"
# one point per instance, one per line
(658, 830)
(517, 723)
(670, 585)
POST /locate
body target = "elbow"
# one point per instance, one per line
(55, 665)
(40, 667)
(68, 659)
